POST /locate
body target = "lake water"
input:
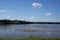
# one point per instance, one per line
(13, 31)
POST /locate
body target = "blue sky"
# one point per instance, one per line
(30, 10)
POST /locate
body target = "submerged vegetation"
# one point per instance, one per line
(5, 21)
(31, 38)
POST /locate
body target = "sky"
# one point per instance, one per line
(30, 10)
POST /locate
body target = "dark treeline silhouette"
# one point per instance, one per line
(5, 21)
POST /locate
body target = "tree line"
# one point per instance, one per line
(5, 21)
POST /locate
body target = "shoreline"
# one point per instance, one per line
(5, 21)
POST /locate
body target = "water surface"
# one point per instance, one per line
(11, 31)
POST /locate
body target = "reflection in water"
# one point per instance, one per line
(5, 26)
(29, 29)
(48, 34)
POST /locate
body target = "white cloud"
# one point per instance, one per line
(48, 14)
(36, 5)
(8, 16)
(5, 16)
(31, 17)
(3, 11)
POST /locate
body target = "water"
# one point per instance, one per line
(11, 31)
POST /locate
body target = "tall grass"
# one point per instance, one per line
(32, 38)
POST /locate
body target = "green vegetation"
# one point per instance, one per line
(5, 21)
(31, 38)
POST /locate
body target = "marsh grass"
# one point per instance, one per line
(32, 38)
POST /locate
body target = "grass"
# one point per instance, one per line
(31, 38)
